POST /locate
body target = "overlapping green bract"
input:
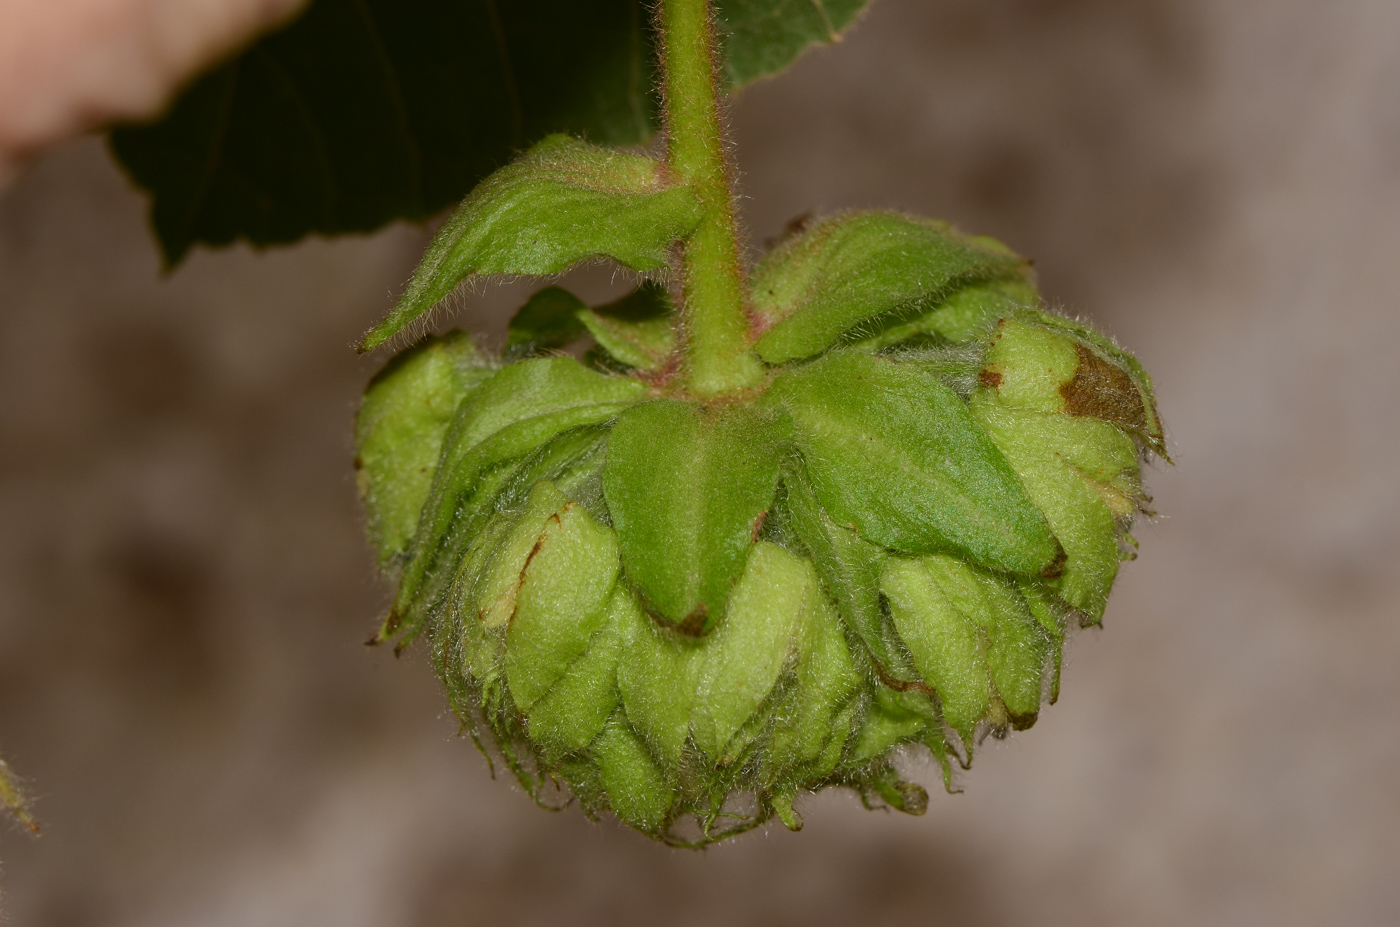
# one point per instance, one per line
(686, 487)
(563, 202)
(695, 612)
(858, 269)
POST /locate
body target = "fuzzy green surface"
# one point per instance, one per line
(406, 412)
(688, 611)
(638, 331)
(565, 201)
(685, 486)
(850, 269)
(896, 453)
(689, 614)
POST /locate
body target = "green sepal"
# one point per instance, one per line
(1017, 648)
(406, 411)
(1050, 613)
(898, 793)
(685, 486)
(947, 645)
(492, 573)
(848, 564)
(469, 641)
(548, 321)
(741, 660)
(563, 599)
(563, 202)
(891, 718)
(1100, 452)
(500, 495)
(894, 453)
(637, 790)
(656, 677)
(966, 314)
(570, 459)
(1077, 512)
(568, 717)
(825, 682)
(511, 414)
(853, 268)
(637, 331)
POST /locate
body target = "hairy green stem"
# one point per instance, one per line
(718, 359)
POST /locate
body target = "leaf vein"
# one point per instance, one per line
(391, 77)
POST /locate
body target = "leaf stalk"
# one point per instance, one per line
(718, 359)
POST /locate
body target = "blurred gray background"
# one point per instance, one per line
(184, 589)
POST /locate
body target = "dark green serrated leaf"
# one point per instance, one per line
(763, 37)
(895, 454)
(565, 201)
(547, 321)
(366, 111)
(685, 486)
(850, 269)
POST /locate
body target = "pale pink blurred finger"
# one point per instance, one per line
(68, 66)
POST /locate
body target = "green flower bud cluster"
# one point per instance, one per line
(689, 611)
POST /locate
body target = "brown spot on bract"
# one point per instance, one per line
(1102, 390)
(1056, 568)
(990, 379)
(694, 623)
(1022, 722)
(758, 526)
(797, 225)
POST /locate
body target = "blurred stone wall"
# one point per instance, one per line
(184, 589)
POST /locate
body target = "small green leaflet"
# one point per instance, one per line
(548, 321)
(366, 111)
(637, 330)
(563, 202)
(685, 487)
(854, 268)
